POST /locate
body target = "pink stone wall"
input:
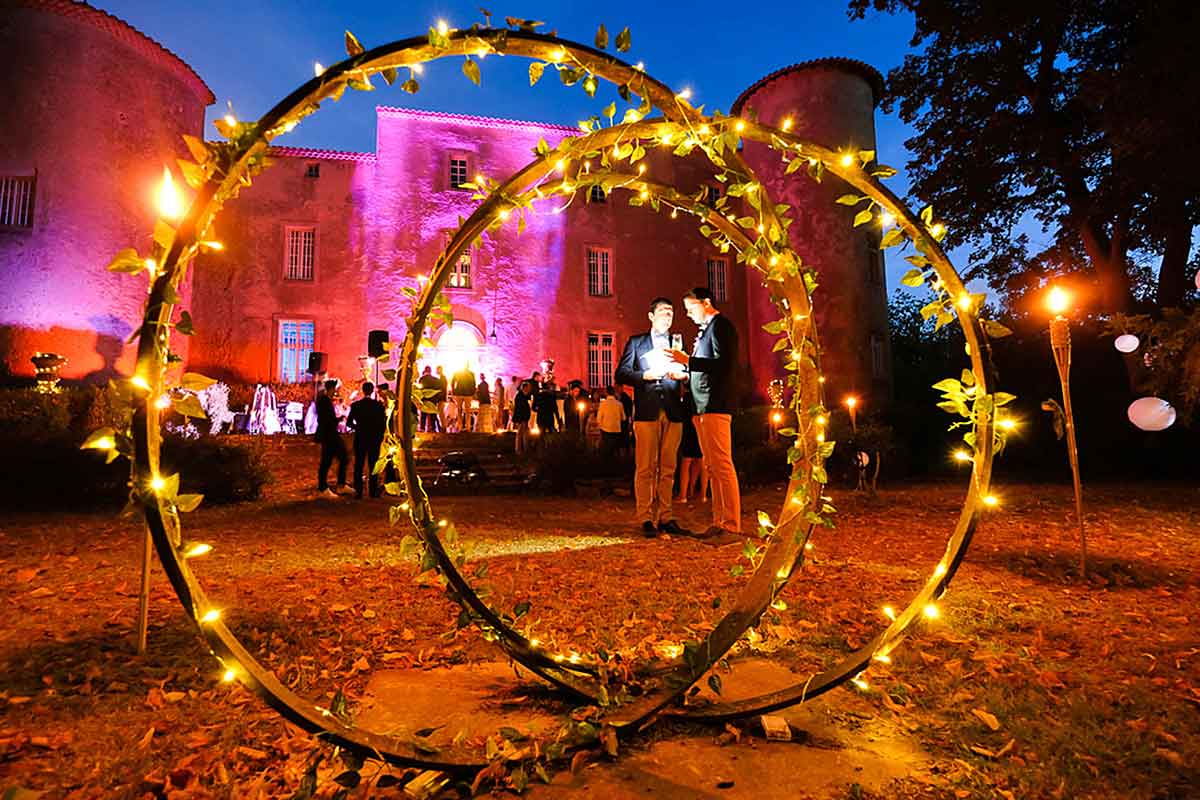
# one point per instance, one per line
(382, 221)
(834, 107)
(95, 110)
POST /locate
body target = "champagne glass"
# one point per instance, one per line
(676, 341)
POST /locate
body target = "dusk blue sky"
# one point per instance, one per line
(254, 52)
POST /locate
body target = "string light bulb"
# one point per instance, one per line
(686, 94)
(212, 615)
(442, 27)
(991, 501)
(962, 455)
(846, 160)
(786, 125)
(157, 483)
(889, 612)
(318, 69)
(931, 611)
(198, 549)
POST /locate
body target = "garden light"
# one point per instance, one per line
(170, 202)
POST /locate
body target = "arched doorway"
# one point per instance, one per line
(457, 344)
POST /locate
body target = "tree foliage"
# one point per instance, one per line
(1076, 115)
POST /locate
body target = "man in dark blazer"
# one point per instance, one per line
(331, 442)
(657, 418)
(713, 368)
(368, 420)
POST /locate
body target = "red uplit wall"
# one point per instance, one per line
(831, 102)
(93, 110)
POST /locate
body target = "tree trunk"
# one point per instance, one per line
(1107, 255)
(1172, 271)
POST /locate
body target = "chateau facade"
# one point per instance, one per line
(318, 250)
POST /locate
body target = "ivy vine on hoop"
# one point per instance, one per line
(760, 239)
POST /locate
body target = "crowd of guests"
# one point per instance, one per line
(678, 417)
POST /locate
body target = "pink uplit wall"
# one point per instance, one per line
(383, 218)
(95, 110)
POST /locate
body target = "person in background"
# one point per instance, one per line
(522, 414)
(499, 405)
(575, 409)
(439, 399)
(429, 420)
(367, 419)
(462, 386)
(693, 477)
(545, 409)
(483, 396)
(332, 446)
(610, 415)
(515, 384)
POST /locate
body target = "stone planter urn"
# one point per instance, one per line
(46, 366)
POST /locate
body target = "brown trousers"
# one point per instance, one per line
(655, 446)
(714, 434)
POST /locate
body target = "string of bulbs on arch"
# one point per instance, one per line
(555, 175)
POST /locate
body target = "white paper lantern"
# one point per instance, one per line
(1126, 343)
(1151, 414)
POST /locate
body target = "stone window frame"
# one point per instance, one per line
(720, 292)
(312, 169)
(472, 254)
(288, 227)
(277, 370)
(587, 267)
(605, 345)
(18, 201)
(457, 155)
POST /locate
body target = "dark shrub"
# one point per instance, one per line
(43, 468)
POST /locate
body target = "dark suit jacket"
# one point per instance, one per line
(327, 421)
(522, 407)
(368, 419)
(714, 366)
(649, 397)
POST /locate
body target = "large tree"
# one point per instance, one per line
(1081, 115)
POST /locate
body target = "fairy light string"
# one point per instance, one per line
(219, 171)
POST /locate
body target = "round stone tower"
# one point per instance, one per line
(831, 102)
(94, 110)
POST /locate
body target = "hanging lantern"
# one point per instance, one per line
(1151, 414)
(1126, 343)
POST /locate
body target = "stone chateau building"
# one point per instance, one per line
(317, 250)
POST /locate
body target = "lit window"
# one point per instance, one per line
(313, 170)
(597, 194)
(599, 268)
(600, 360)
(16, 201)
(296, 339)
(458, 171)
(460, 273)
(301, 253)
(878, 360)
(716, 279)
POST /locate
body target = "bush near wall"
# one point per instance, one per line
(44, 469)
